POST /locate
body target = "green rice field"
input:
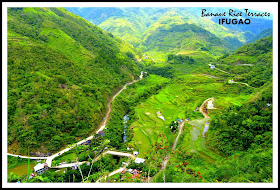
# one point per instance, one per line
(179, 99)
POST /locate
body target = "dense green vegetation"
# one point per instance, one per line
(125, 104)
(164, 71)
(59, 87)
(180, 59)
(238, 144)
(237, 147)
(62, 72)
(252, 128)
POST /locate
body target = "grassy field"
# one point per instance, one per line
(71, 157)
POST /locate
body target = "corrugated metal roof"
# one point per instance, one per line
(139, 160)
(38, 167)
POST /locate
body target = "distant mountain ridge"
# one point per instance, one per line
(263, 34)
(136, 24)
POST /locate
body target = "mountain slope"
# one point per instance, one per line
(251, 63)
(136, 25)
(128, 29)
(263, 34)
(62, 70)
(188, 39)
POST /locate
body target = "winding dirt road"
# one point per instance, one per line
(164, 163)
(203, 105)
(107, 117)
(50, 158)
(231, 81)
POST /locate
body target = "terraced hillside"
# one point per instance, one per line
(251, 64)
(179, 100)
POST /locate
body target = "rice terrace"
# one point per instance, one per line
(138, 95)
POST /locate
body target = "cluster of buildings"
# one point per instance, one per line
(38, 154)
(88, 142)
(135, 172)
(39, 169)
(179, 120)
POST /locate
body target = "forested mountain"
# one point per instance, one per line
(185, 39)
(244, 133)
(62, 70)
(139, 25)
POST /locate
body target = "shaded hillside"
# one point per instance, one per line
(62, 70)
(262, 34)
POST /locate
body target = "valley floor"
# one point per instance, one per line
(186, 98)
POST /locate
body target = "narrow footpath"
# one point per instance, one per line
(181, 126)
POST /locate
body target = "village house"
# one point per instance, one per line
(139, 160)
(101, 133)
(88, 142)
(40, 168)
(210, 105)
(31, 175)
(124, 171)
(136, 174)
(32, 153)
(135, 171)
(212, 66)
(135, 153)
(74, 167)
(179, 120)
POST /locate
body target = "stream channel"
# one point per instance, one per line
(125, 121)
